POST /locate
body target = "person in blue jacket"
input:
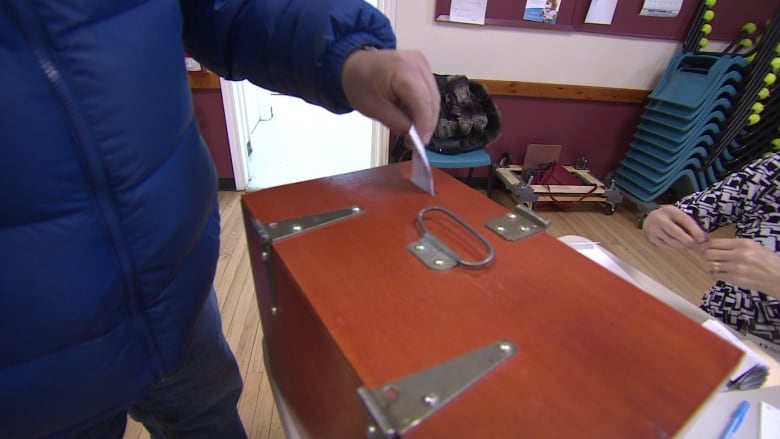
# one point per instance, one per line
(109, 227)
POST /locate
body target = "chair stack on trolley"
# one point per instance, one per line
(710, 114)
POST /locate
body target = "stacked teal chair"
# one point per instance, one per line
(682, 120)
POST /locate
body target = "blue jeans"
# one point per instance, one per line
(198, 400)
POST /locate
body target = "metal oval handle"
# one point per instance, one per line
(470, 264)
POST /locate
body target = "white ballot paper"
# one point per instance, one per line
(421, 169)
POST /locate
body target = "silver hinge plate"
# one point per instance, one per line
(396, 407)
(282, 229)
(275, 231)
(433, 253)
(518, 224)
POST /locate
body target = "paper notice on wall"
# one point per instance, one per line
(468, 11)
(661, 8)
(601, 11)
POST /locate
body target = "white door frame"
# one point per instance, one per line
(380, 135)
(238, 128)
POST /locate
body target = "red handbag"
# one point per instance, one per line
(553, 174)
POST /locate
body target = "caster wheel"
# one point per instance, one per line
(609, 209)
(609, 179)
(506, 160)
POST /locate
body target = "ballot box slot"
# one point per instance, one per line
(396, 407)
(520, 223)
(438, 256)
(274, 231)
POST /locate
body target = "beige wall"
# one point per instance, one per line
(494, 52)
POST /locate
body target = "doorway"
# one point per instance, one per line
(277, 139)
(301, 141)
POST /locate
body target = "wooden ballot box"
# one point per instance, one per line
(367, 337)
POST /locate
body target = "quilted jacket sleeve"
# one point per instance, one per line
(296, 47)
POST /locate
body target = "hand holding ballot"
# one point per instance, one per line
(395, 87)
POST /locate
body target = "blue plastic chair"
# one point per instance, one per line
(690, 78)
(470, 160)
(673, 132)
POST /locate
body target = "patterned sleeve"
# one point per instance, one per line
(743, 191)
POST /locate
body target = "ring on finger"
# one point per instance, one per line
(715, 267)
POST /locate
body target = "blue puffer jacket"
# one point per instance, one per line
(109, 229)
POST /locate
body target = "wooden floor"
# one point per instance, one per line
(618, 233)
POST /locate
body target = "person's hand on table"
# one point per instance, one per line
(670, 227)
(395, 87)
(744, 263)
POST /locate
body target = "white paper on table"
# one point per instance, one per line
(661, 8)
(593, 251)
(468, 11)
(750, 360)
(421, 169)
(601, 11)
(770, 421)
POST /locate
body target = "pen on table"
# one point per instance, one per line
(736, 420)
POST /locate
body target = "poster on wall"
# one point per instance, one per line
(601, 12)
(542, 11)
(661, 8)
(468, 11)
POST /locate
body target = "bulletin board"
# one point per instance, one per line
(730, 15)
(510, 13)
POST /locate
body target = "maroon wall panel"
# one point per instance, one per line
(602, 131)
(211, 118)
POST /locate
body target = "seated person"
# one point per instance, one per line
(746, 294)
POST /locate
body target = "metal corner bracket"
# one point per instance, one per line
(274, 231)
(399, 406)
